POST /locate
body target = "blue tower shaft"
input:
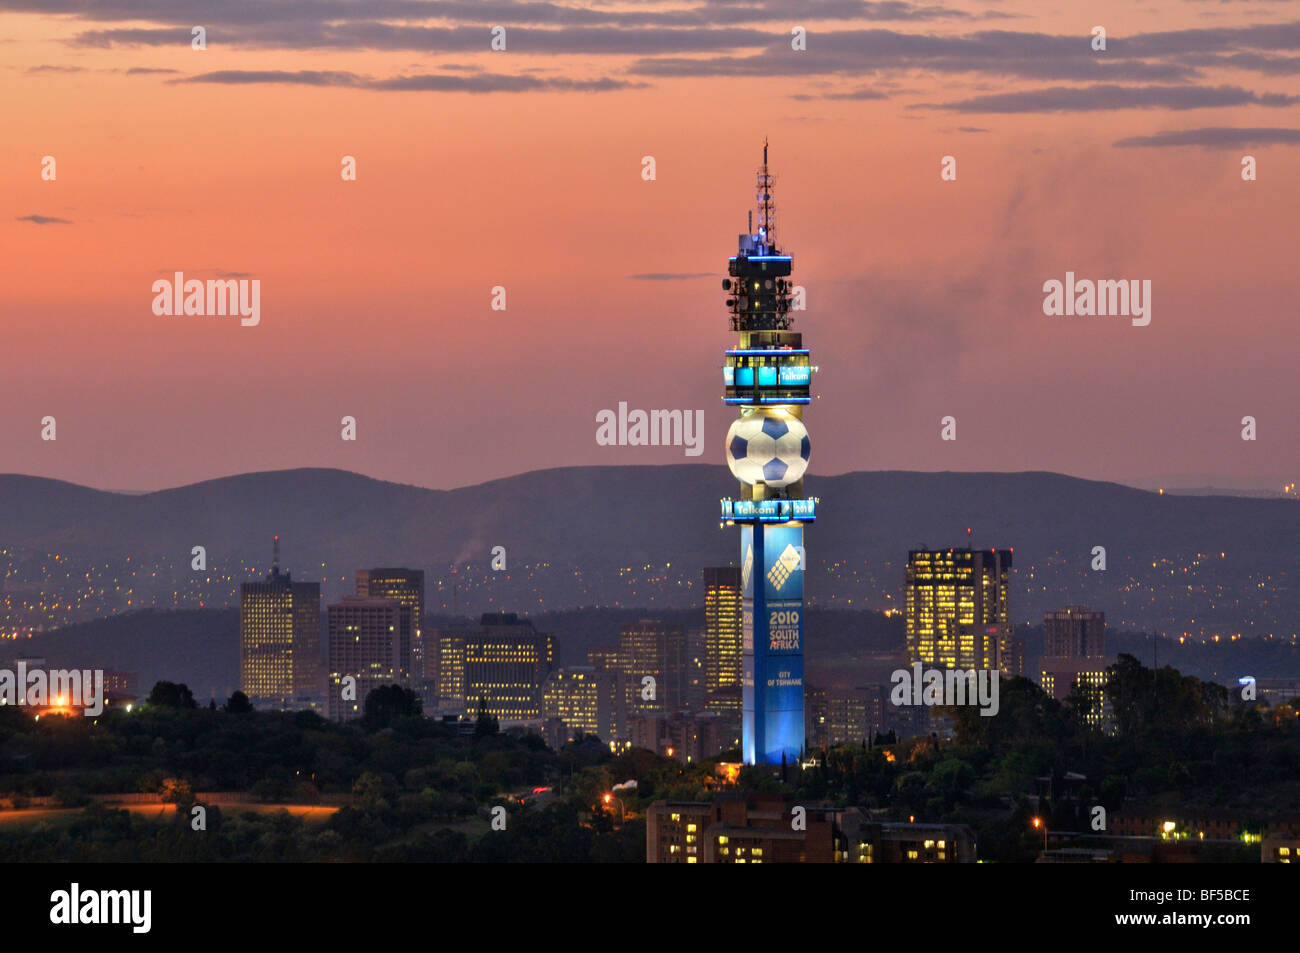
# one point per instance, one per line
(772, 650)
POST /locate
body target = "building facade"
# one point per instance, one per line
(369, 647)
(584, 699)
(507, 663)
(1074, 653)
(723, 639)
(407, 587)
(957, 607)
(653, 657)
(280, 664)
(753, 828)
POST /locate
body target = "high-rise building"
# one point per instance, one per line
(957, 606)
(767, 378)
(610, 662)
(840, 716)
(1011, 654)
(653, 649)
(507, 662)
(723, 639)
(444, 668)
(280, 663)
(407, 587)
(369, 642)
(1074, 653)
(585, 699)
(1074, 632)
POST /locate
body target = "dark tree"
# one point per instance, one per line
(171, 695)
(387, 702)
(487, 723)
(239, 704)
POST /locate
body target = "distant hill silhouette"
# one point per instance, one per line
(584, 535)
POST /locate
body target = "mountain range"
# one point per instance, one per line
(639, 536)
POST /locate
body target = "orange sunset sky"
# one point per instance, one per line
(522, 168)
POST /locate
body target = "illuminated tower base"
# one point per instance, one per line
(772, 727)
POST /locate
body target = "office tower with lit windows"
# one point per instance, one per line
(767, 378)
(584, 699)
(407, 587)
(279, 641)
(653, 649)
(507, 663)
(367, 643)
(723, 639)
(1074, 652)
(444, 667)
(957, 607)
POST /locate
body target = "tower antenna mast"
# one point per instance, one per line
(766, 218)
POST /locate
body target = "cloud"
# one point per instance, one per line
(1271, 65)
(1215, 137)
(295, 77)
(244, 13)
(497, 83)
(142, 70)
(1109, 96)
(694, 38)
(856, 94)
(671, 275)
(55, 69)
(43, 220)
(861, 52)
(432, 82)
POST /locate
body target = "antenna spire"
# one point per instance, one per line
(766, 211)
(275, 556)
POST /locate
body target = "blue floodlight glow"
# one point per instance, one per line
(768, 351)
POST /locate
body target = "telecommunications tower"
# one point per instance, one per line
(767, 378)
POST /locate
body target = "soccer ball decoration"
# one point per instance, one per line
(768, 446)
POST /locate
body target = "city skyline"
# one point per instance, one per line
(368, 497)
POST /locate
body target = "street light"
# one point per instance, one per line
(1039, 822)
(622, 818)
